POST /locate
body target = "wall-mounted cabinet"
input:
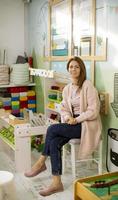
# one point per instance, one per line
(75, 29)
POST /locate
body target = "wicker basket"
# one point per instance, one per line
(4, 74)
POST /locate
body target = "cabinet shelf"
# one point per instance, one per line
(7, 141)
(52, 109)
(54, 100)
(11, 85)
(56, 91)
(53, 105)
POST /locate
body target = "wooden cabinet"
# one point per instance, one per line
(75, 30)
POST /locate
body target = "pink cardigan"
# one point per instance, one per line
(89, 116)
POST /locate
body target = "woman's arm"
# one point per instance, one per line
(91, 98)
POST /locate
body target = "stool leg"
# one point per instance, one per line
(73, 160)
(63, 159)
(1, 195)
(100, 158)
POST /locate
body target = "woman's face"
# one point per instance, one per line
(74, 69)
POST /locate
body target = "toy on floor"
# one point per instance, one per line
(103, 184)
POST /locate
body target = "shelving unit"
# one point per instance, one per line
(24, 130)
(68, 36)
(10, 85)
(52, 105)
(22, 140)
(21, 146)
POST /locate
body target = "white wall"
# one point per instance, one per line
(11, 29)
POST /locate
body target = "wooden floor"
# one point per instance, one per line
(28, 188)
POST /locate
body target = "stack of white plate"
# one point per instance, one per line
(19, 74)
(4, 74)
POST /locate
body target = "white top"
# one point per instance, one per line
(75, 100)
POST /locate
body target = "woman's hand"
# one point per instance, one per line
(72, 121)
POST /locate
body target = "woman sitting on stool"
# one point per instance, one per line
(80, 116)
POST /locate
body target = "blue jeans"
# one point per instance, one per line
(57, 136)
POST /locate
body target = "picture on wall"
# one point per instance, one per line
(85, 46)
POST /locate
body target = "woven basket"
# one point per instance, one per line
(4, 74)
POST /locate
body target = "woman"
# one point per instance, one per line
(80, 119)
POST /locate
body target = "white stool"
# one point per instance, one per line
(74, 143)
(7, 187)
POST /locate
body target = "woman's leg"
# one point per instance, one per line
(60, 130)
(57, 135)
(55, 154)
(40, 166)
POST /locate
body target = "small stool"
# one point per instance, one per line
(7, 187)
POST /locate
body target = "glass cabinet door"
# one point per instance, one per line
(82, 27)
(101, 29)
(60, 28)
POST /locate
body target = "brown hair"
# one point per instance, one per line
(82, 76)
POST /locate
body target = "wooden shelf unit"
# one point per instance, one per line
(22, 140)
(59, 80)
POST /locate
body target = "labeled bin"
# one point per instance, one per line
(112, 150)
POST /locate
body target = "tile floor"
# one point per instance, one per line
(28, 188)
